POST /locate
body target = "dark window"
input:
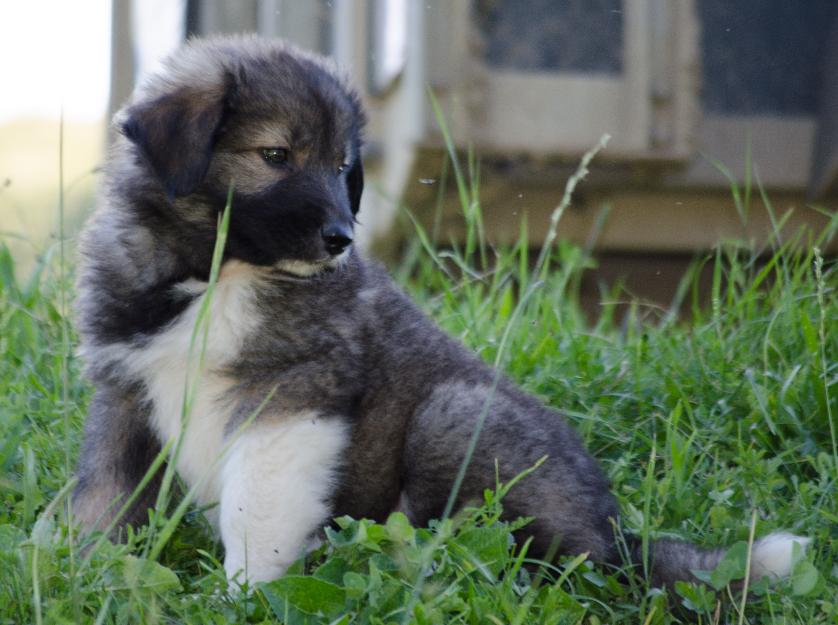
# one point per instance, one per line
(553, 35)
(763, 56)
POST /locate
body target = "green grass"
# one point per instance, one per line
(29, 183)
(710, 431)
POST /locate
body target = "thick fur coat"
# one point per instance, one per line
(371, 407)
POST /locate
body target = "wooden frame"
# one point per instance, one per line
(648, 110)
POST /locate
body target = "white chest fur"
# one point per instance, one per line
(171, 373)
(275, 482)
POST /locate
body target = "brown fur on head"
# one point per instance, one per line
(278, 125)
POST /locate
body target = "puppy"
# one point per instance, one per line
(370, 407)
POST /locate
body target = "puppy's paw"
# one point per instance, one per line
(242, 572)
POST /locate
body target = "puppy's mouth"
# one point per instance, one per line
(307, 269)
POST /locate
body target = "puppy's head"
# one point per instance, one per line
(276, 124)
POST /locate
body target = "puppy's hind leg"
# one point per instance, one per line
(567, 496)
(276, 486)
(118, 450)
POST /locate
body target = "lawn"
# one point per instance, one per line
(715, 429)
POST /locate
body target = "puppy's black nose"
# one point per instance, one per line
(337, 238)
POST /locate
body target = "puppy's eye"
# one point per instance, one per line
(275, 156)
(343, 167)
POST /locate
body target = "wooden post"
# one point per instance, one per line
(122, 55)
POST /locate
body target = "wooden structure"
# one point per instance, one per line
(657, 81)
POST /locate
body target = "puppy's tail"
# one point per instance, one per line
(674, 560)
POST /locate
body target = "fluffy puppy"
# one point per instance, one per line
(371, 406)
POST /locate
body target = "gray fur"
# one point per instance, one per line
(344, 342)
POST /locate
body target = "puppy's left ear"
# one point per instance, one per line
(176, 132)
(355, 185)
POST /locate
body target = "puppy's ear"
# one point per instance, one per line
(176, 132)
(355, 185)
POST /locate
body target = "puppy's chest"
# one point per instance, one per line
(187, 383)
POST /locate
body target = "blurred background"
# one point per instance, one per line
(697, 95)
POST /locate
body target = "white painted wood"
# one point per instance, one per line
(548, 113)
(635, 110)
(122, 55)
(781, 151)
(649, 110)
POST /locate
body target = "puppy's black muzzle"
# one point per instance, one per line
(336, 238)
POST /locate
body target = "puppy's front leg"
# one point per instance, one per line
(119, 447)
(276, 486)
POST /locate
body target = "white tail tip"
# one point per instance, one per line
(772, 555)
